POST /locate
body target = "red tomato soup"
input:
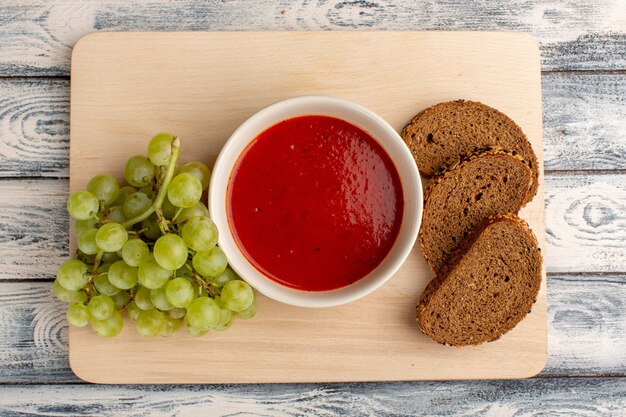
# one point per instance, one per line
(315, 203)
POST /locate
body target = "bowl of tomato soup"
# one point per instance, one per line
(317, 200)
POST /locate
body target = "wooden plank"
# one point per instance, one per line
(34, 127)
(586, 327)
(34, 228)
(584, 123)
(586, 226)
(584, 120)
(36, 37)
(547, 396)
(115, 108)
(585, 217)
(34, 335)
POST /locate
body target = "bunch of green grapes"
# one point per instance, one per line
(149, 249)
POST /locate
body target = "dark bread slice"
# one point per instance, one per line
(440, 134)
(484, 183)
(488, 287)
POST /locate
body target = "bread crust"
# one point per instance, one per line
(451, 170)
(432, 157)
(440, 282)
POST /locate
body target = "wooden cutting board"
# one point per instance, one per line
(201, 86)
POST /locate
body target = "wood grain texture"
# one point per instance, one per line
(584, 124)
(584, 119)
(123, 85)
(37, 36)
(587, 226)
(534, 397)
(33, 228)
(586, 327)
(584, 225)
(34, 127)
(33, 331)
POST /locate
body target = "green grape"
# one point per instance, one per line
(199, 290)
(136, 204)
(194, 331)
(139, 171)
(104, 187)
(171, 326)
(199, 170)
(87, 242)
(133, 311)
(125, 191)
(199, 210)
(67, 295)
(147, 190)
(150, 273)
(170, 251)
(179, 292)
(122, 275)
(160, 148)
(177, 313)
(104, 286)
(159, 299)
(83, 205)
(111, 237)
(143, 299)
(203, 312)
(121, 299)
(116, 214)
(224, 277)
(169, 210)
(133, 251)
(237, 295)
(77, 315)
(199, 233)
(101, 307)
(83, 225)
(249, 312)
(150, 322)
(184, 272)
(226, 319)
(211, 263)
(72, 275)
(110, 257)
(151, 228)
(88, 259)
(109, 327)
(185, 190)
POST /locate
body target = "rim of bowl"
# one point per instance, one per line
(346, 110)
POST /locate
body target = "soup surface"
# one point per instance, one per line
(315, 203)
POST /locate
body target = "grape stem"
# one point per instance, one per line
(208, 287)
(161, 221)
(96, 262)
(180, 210)
(158, 201)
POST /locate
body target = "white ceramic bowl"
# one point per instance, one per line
(359, 116)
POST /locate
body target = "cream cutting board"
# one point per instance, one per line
(128, 86)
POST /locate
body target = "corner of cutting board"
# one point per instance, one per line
(538, 363)
(82, 372)
(534, 368)
(84, 43)
(531, 43)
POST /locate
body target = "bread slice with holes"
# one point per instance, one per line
(486, 182)
(489, 286)
(442, 133)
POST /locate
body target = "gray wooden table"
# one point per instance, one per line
(583, 46)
